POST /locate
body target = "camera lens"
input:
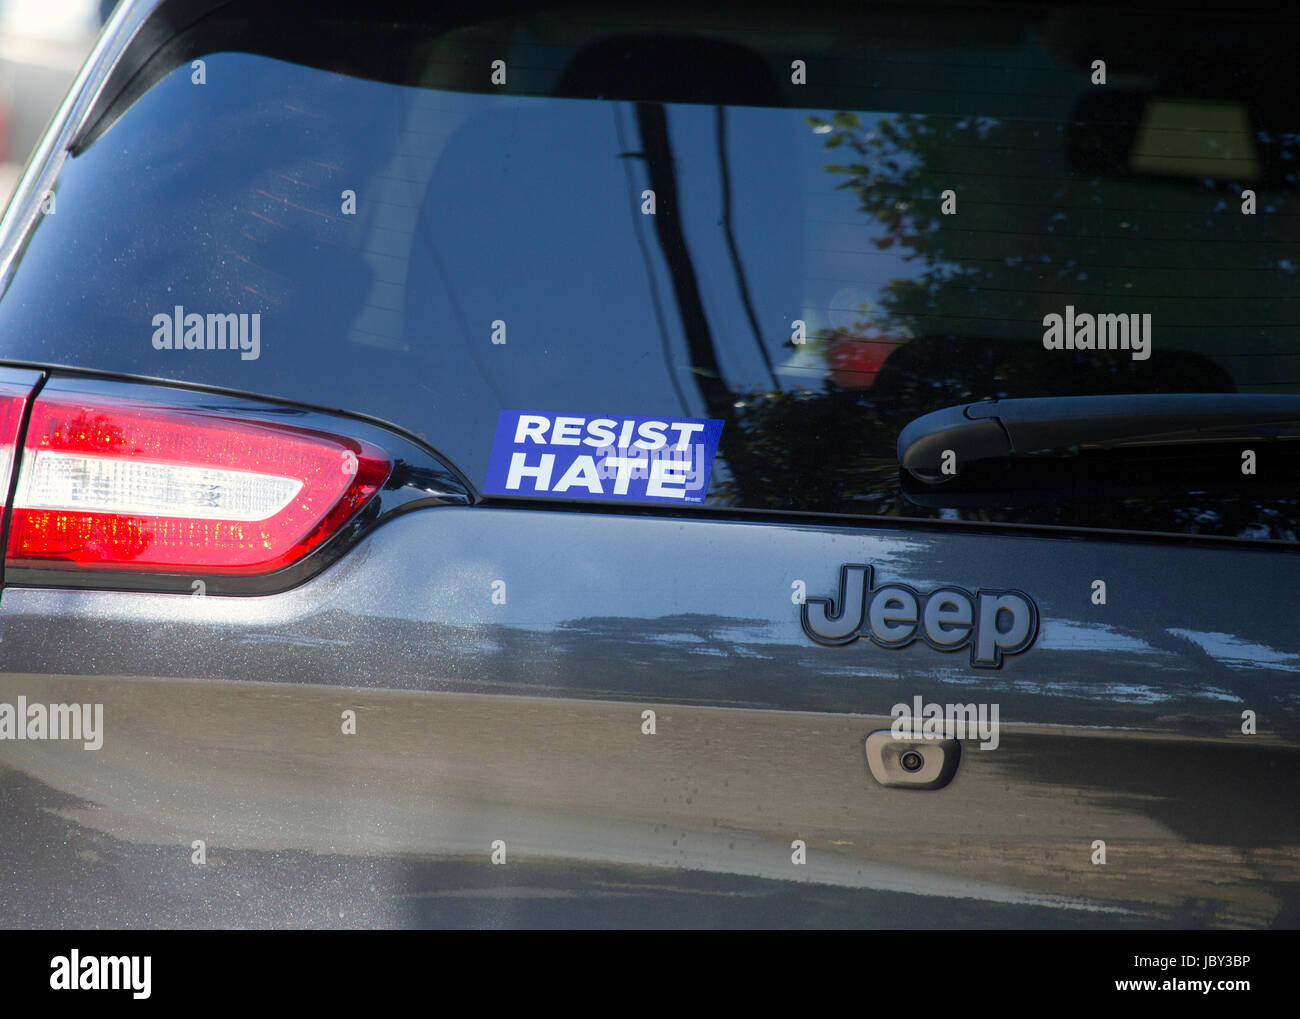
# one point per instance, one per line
(911, 760)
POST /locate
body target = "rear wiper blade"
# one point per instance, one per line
(1004, 452)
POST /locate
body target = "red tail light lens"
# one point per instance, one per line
(13, 400)
(119, 485)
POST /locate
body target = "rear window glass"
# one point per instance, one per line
(857, 220)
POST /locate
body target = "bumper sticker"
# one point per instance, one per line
(608, 457)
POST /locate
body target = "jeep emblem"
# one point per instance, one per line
(993, 623)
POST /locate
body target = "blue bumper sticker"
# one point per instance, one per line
(602, 456)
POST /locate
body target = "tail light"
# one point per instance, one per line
(109, 484)
(14, 392)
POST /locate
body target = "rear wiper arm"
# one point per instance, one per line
(1008, 451)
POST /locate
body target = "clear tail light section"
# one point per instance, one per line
(109, 484)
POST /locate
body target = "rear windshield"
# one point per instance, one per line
(814, 228)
